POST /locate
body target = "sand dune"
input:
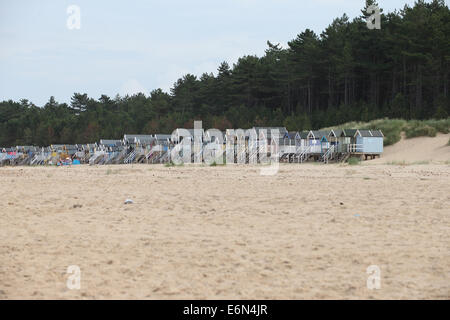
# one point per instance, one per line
(311, 231)
(433, 149)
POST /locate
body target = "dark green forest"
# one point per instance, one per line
(347, 73)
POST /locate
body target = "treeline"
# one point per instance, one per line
(347, 73)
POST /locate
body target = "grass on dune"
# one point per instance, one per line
(392, 128)
(353, 161)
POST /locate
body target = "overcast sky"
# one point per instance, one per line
(132, 46)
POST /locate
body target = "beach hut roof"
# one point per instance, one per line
(336, 132)
(110, 143)
(116, 148)
(365, 133)
(377, 133)
(198, 133)
(144, 139)
(315, 134)
(349, 132)
(88, 146)
(135, 138)
(304, 134)
(270, 131)
(27, 148)
(281, 130)
(283, 141)
(160, 137)
(129, 138)
(293, 135)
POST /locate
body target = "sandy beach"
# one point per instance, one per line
(226, 232)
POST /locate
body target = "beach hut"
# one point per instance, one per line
(111, 143)
(144, 140)
(198, 140)
(133, 147)
(160, 152)
(71, 149)
(144, 143)
(179, 134)
(349, 135)
(230, 145)
(264, 140)
(128, 139)
(242, 138)
(333, 136)
(118, 154)
(13, 156)
(283, 147)
(266, 133)
(304, 138)
(24, 155)
(295, 136)
(163, 137)
(85, 151)
(369, 142)
(39, 157)
(347, 140)
(192, 134)
(3, 155)
(214, 147)
(188, 143)
(114, 151)
(317, 141)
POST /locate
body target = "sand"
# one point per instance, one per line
(311, 231)
(428, 149)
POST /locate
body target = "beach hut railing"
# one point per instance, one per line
(165, 157)
(304, 155)
(149, 154)
(159, 154)
(354, 148)
(107, 158)
(41, 158)
(156, 152)
(119, 156)
(328, 154)
(96, 157)
(253, 150)
(3, 157)
(157, 157)
(102, 159)
(36, 159)
(199, 155)
(141, 153)
(130, 158)
(229, 151)
(241, 154)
